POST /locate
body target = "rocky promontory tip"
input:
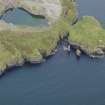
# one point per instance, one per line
(51, 9)
(88, 35)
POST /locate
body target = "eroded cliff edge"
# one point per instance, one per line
(19, 44)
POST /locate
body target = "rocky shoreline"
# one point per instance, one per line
(46, 8)
(87, 35)
(82, 49)
(23, 60)
(28, 44)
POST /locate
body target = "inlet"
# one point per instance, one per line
(19, 16)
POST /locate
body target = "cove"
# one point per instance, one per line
(61, 80)
(19, 16)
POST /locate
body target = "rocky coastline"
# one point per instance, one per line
(89, 37)
(45, 8)
(28, 44)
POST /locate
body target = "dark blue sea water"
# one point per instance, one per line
(62, 79)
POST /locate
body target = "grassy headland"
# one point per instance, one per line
(21, 44)
(89, 36)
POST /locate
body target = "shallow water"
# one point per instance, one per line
(61, 80)
(21, 17)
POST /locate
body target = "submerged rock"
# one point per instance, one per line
(78, 53)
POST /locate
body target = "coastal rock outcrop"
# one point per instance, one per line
(78, 53)
(19, 44)
(89, 36)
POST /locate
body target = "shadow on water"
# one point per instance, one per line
(20, 16)
(26, 64)
(15, 68)
(33, 15)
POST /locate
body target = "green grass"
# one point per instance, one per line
(88, 34)
(25, 42)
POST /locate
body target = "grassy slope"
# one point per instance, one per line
(23, 43)
(88, 34)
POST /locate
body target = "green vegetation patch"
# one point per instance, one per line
(88, 34)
